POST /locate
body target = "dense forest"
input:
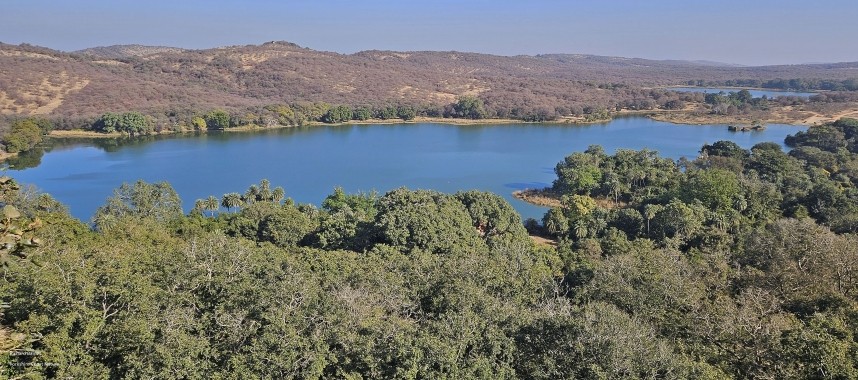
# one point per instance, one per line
(735, 264)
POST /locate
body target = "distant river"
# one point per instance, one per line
(754, 93)
(310, 162)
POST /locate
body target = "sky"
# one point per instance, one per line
(750, 32)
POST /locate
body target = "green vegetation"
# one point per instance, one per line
(132, 123)
(735, 102)
(25, 134)
(795, 84)
(469, 107)
(217, 119)
(338, 114)
(738, 264)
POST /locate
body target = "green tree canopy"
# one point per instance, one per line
(23, 135)
(141, 200)
(470, 107)
(217, 119)
(425, 220)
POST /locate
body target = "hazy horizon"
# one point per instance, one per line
(736, 32)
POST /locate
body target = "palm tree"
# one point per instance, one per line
(264, 190)
(278, 194)
(649, 212)
(251, 195)
(231, 200)
(580, 229)
(211, 204)
(199, 206)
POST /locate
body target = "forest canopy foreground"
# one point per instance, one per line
(737, 264)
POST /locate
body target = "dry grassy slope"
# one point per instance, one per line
(125, 51)
(36, 80)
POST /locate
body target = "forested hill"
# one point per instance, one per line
(35, 80)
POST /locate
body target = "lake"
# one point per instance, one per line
(757, 93)
(309, 162)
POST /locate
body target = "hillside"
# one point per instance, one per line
(126, 51)
(41, 81)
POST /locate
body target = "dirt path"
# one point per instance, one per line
(820, 118)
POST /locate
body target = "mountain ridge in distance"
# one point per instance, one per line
(120, 51)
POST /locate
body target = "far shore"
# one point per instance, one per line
(79, 133)
(690, 115)
(741, 88)
(75, 133)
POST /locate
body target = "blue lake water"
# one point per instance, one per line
(309, 162)
(755, 92)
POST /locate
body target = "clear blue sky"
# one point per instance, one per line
(746, 31)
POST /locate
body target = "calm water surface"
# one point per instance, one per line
(754, 93)
(310, 162)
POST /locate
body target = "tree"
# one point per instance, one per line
(470, 107)
(199, 123)
(744, 96)
(141, 200)
(492, 215)
(406, 113)
(217, 119)
(23, 135)
(715, 188)
(578, 206)
(199, 207)
(107, 123)
(650, 211)
(725, 148)
(277, 194)
(579, 173)
(629, 221)
(555, 222)
(678, 219)
(386, 113)
(826, 137)
(264, 193)
(16, 232)
(231, 200)
(285, 227)
(425, 220)
(362, 113)
(132, 123)
(251, 195)
(338, 114)
(364, 203)
(211, 204)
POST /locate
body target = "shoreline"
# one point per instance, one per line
(688, 116)
(6, 155)
(79, 133)
(545, 197)
(539, 197)
(743, 88)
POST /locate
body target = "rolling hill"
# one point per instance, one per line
(40, 81)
